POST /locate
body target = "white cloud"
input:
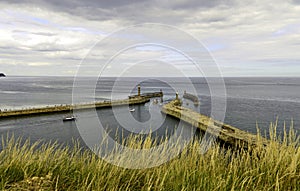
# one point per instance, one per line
(243, 36)
(39, 64)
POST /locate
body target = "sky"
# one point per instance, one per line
(55, 37)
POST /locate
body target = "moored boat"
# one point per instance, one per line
(69, 118)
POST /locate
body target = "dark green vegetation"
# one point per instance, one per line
(50, 167)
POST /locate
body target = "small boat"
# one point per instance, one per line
(132, 110)
(69, 118)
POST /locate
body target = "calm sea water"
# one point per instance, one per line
(250, 102)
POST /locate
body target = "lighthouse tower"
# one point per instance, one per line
(139, 90)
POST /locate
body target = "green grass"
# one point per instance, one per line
(50, 167)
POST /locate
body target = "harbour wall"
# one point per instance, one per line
(132, 100)
(226, 133)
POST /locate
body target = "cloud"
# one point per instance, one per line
(242, 36)
(39, 64)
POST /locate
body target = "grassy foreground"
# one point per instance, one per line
(274, 167)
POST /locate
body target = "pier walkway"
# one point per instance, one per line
(132, 100)
(226, 133)
(191, 97)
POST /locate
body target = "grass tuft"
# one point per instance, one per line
(275, 166)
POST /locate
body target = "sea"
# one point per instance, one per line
(251, 103)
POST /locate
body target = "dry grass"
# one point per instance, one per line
(50, 167)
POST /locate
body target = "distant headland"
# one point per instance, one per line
(2, 75)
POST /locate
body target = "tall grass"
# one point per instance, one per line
(266, 167)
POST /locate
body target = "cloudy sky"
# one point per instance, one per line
(245, 38)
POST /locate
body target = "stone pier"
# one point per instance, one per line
(226, 133)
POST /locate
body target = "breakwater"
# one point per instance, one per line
(132, 100)
(191, 97)
(226, 133)
(148, 95)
